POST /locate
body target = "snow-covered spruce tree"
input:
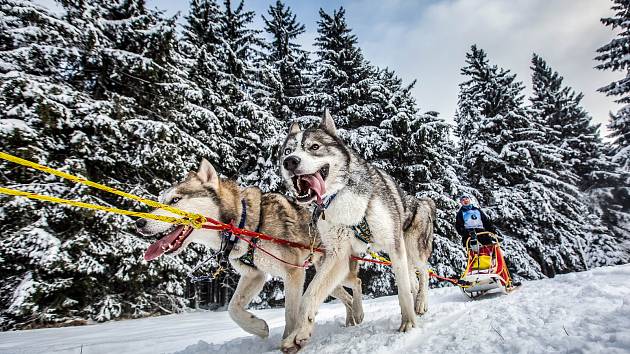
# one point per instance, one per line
(570, 128)
(167, 122)
(521, 178)
(615, 56)
(429, 169)
(288, 63)
(343, 76)
(32, 99)
(208, 92)
(202, 107)
(615, 199)
(346, 84)
(255, 132)
(82, 93)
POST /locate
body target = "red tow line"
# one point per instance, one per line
(220, 226)
(450, 280)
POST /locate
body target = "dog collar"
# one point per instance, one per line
(228, 238)
(319, 209)
(328, 200)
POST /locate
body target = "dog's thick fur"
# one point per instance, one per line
(204, 193)
(401, 225)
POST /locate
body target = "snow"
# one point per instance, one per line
(587, 312)
(22, 292)
(9, 125)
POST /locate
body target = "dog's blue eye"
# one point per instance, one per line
(175, 200)
(287, 151)
(314, 147)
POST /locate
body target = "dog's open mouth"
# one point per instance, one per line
(309, 186)
(173, 240)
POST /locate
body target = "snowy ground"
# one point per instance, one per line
(585, 312)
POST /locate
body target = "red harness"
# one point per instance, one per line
(247, 236)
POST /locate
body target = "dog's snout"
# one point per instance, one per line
(140, 223)
(291, 163)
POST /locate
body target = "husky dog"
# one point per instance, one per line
(318, 167)
(204, 193)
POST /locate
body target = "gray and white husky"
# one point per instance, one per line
(203, 192)
(319, 168)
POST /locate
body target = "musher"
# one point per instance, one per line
(471, 219)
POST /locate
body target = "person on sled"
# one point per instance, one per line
(471, 219)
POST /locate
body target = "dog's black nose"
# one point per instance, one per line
(291, 163)
(140, 223)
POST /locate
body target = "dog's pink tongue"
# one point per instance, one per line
(316, 183)
(160, 246)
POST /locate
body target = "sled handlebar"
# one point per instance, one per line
(494, 236)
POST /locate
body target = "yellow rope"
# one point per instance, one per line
(76, 179)
(168, 219)
(191, 219)
(377, 257)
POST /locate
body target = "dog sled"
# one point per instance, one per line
(486, 270)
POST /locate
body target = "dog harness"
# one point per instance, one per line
(228, 240)
(361, 230)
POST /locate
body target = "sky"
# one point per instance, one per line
(426, 40)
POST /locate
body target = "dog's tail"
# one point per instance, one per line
(417, 208)
(418, 228)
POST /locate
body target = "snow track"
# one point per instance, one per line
(586, 312)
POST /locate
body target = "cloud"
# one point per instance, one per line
(428, 41)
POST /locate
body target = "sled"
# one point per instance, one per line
(486, 270)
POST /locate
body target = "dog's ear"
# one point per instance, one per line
(327, 123)
(295, 128)
(208, 175)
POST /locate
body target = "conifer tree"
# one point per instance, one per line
(343, 76)
(63, 92)
(208, 94)
(288, 62)
(346, 84)
(198, 63)
(521, 179)
(255, 131)
(569, 127)
(490, 116)
(428, 168)
(615, 56)
(614, 199)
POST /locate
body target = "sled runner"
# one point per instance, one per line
(485, 268)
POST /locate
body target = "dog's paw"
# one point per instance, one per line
(421, 308)
(257, 327)
(290, 348)
(354, 319)
(295, 341)
(350, 321)
(358, 316)
(406, 325)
